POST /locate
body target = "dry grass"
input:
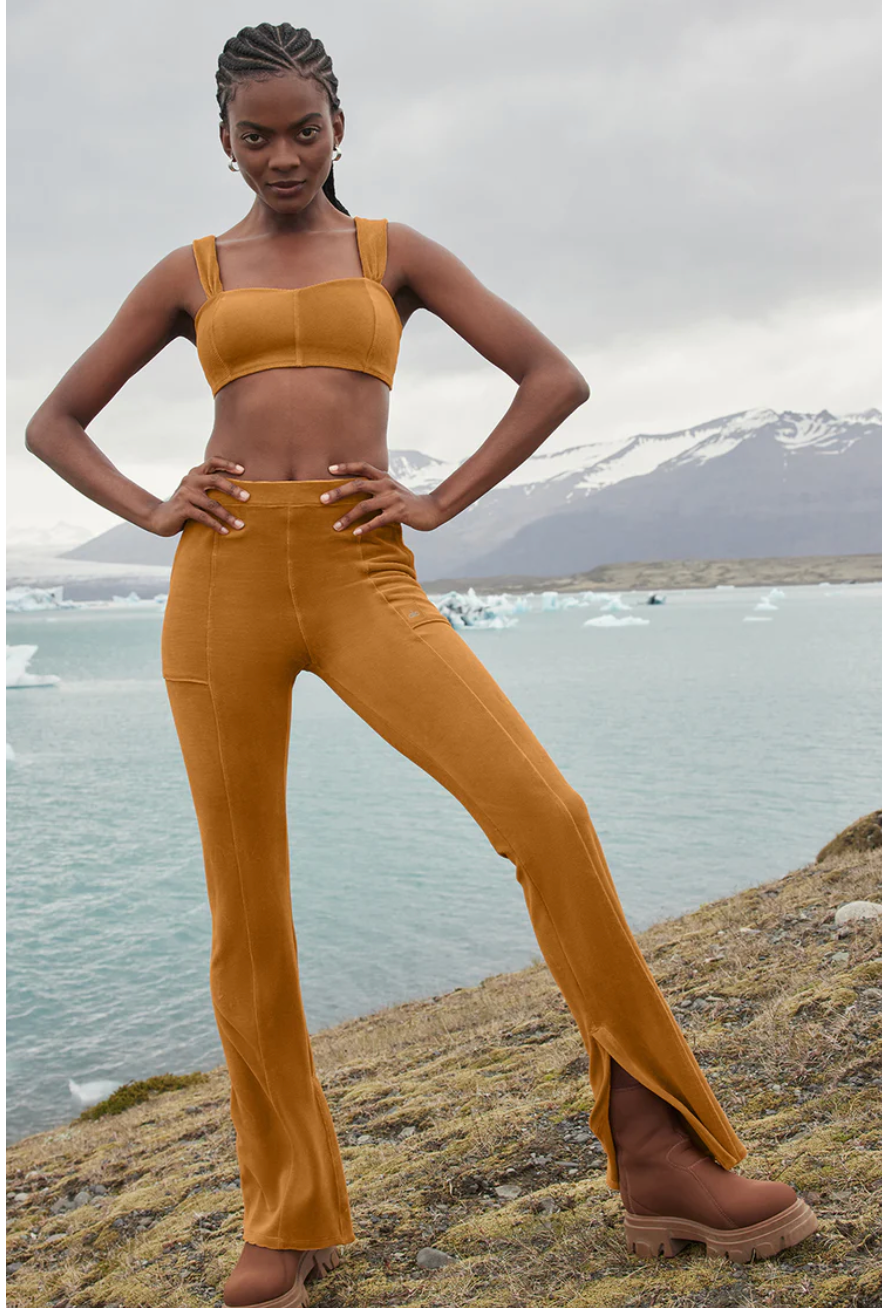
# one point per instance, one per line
(439, 1101)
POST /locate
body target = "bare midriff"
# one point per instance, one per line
(289, 424)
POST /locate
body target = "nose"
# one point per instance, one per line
(284, 160)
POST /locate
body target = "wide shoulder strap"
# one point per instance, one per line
(371, 233)
(205, 251)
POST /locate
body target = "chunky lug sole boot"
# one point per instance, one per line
(312, 1266)
(674, 1191)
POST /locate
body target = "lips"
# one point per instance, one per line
(286, 186)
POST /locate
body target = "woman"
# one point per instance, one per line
(296, 313)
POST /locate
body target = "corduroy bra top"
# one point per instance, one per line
(349, 322)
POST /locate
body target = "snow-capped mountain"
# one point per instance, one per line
(756, 483)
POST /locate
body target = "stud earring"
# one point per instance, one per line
(233, 166)
(338, 154)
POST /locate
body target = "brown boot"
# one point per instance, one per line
(276, 1278)
(674, 1191)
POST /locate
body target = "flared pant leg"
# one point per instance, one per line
(398, 663)
(231, 651)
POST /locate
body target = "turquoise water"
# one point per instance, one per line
(713, 754)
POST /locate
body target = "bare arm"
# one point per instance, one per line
(150, 317)
(550, 386)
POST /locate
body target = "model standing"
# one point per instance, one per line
(291, 558)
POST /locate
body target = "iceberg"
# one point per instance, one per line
(614, 604)
(30, 599)
(17, 676)
(610, 620)
(470, 611)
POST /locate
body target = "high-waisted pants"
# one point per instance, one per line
(246, 612)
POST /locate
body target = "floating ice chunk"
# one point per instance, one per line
(615, 604)
(724, 586)
(470, 611)
(775, 593)
(17, 659)
(752, 617)
(29, 599)
(10, 753)
(92, 1092)
(765, 605)
(610, 620)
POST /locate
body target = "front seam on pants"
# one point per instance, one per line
(220, 753)
(288, 513)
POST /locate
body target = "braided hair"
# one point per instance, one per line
(267, 50)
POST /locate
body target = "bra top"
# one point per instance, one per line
(349, 322)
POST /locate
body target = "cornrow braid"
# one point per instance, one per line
(268, 50)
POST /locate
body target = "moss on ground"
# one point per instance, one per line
(137, 1092)
(440, 1101)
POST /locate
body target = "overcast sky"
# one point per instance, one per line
(685, 197)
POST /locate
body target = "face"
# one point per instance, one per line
(282, 129)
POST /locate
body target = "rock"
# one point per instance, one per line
(508, 1191)
(841, 956)
(859, 910)
(80, 1198)
(428, 1257)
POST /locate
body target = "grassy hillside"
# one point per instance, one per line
(441, 1101)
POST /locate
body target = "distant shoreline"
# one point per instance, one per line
(686, 574)
(661, 575)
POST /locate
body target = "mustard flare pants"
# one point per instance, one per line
(248, 611)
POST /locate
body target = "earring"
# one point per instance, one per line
(337, 155)
(233, 166)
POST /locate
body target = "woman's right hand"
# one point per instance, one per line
(191, 501)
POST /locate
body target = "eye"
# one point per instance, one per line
(247, 134)
(312, 129)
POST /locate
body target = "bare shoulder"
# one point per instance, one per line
(414, 250)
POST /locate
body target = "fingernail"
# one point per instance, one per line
(324, 499)
(337, 526)
(239, 522)
(239, 467)
(332, 467)
(244, 494)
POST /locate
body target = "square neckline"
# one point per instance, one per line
(294, 290)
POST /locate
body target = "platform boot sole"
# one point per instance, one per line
(654, 1237)
(313, 1266)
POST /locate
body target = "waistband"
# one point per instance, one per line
(300, 494)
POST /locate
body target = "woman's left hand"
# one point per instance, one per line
(395, 502)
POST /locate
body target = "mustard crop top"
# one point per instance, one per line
(350, 322)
